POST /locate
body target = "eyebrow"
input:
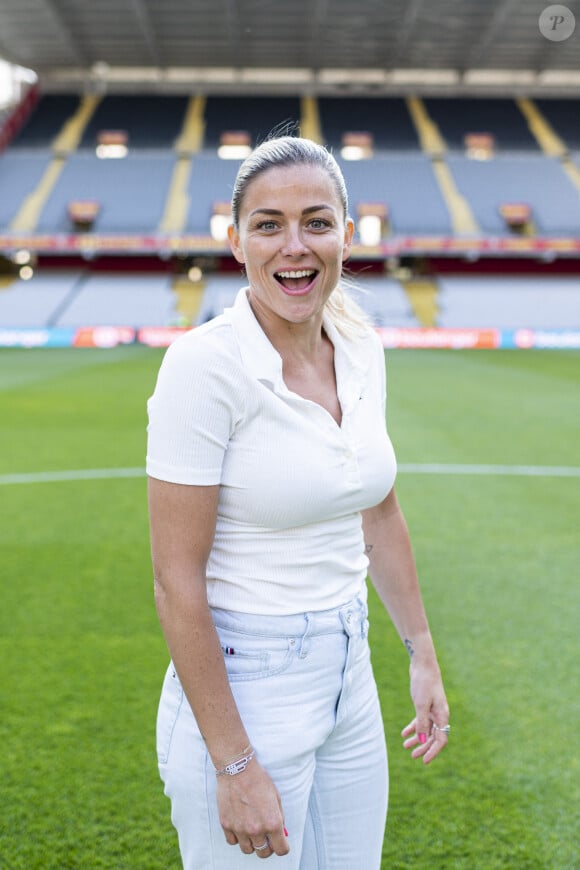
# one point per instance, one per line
(309, 210)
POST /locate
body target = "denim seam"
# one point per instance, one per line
(165, 758)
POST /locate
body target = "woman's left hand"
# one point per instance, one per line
(428, 733)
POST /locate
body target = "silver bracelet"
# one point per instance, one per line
(237, 766)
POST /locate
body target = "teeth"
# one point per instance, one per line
(301, 273)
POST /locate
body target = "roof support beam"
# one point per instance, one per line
(503, 10)
(412, 12)
(73, 40)
(147, 30)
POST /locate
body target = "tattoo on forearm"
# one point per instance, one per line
(368, 548)
(409, 647)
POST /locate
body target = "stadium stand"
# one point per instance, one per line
(211, 179)
(219, 293)
(255, 115)
(35, 303)
(151, 121)
(564, 118)
(399, 180)
(131, 191)
(120, 300)
(46, 121)
(509, 303)
(533, 179)
(172, 178)
(385, 302)
(20, 173)
(387, 119)
(76, 298)
(458, 116)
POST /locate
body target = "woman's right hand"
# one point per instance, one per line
(251, 812)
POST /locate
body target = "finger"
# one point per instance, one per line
(439, 741)
(230, 837)
(436, 742)
(263, 848)
(415, 736)
(279, 837)
(423, 727)
(246, 846)
(279, 842)
(411, 742)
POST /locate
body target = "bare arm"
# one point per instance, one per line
(394, 576)
(183, 520)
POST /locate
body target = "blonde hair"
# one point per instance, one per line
(348, 318)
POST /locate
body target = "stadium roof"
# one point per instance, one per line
(385, 45)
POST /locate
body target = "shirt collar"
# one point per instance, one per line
(262, 360)
(260, 357)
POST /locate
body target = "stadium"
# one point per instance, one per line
(457, 127)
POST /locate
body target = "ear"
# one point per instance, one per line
(348, 235)
(234, 239)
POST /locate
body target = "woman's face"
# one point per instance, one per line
(292, 239)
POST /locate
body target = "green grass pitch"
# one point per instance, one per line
(82, 656)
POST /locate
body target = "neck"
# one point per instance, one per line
(296, 342)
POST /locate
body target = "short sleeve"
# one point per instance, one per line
(193, 412)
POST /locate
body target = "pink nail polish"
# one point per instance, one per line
(422, 738)
(285, 832)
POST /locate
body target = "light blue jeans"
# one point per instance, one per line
(308, 699)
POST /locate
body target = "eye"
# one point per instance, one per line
(319, 224)
(267, 226)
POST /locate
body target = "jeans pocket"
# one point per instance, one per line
(255, 658)
(168, 712)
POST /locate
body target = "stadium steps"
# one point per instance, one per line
(189, 142)
(431, 140)
(72, 132)
(548, 140)
(310, 119)
(422, 294)
(462, 218)
(190, 139)
(177, 203)
(28, 215)
(433, 144)
(189, 297)
(74, 290)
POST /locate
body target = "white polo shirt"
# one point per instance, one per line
(292, 482)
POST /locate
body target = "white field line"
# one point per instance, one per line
(509, 470)
(404, 468)
(80, 474)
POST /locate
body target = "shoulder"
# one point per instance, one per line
(212, 346)
(203, 367)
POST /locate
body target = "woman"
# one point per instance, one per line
(271, 496)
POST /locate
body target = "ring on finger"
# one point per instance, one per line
(264, 845)
(445, 729)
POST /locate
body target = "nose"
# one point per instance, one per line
(293, 244)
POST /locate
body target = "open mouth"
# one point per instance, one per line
(296, 281)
